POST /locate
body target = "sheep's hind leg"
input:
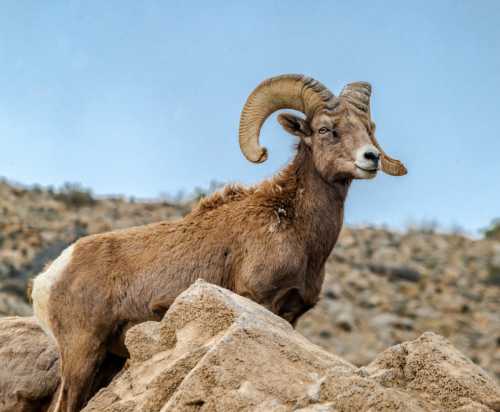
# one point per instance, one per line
(80, 361)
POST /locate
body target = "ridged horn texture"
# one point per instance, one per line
(288, 91)
(358, 95)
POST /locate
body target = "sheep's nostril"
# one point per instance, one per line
(373, 156)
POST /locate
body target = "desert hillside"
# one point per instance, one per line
(381, 288)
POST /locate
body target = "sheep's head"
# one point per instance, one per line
(338, 130)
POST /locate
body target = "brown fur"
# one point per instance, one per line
(268, 243)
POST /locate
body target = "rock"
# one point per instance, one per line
(343, 313)
(29, 366)
(386, 320)
(11, 304)
(396, 272)
(217, 351)
(441, 375)
(216, 348)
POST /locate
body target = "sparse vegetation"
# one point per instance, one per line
(188, 198)
(74, 195)
(493, 275)
(493, 231)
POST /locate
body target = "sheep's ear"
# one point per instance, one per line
(296, 126)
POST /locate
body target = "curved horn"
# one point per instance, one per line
(289, 91)
(389, 165)
(358, 94)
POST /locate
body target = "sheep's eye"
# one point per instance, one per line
(335, 134)
(323, 130)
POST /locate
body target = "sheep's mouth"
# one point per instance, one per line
(367, 170)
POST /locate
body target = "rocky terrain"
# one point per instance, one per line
(382, 287)
(217, 351)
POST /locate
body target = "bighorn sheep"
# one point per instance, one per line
(268, 242)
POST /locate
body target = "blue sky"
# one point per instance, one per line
(143, 98)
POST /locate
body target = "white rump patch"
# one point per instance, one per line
(42, 286)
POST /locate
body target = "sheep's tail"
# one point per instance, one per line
(29, 291)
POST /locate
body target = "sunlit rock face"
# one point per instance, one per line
(215, 350)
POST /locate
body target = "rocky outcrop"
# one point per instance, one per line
(29, 366)
(217, 351)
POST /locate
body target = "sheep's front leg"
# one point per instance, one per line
(290, 305)
(81, 357)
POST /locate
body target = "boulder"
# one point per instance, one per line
(217, 351)
(29, 371)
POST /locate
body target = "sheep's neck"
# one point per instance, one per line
(318, 205)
